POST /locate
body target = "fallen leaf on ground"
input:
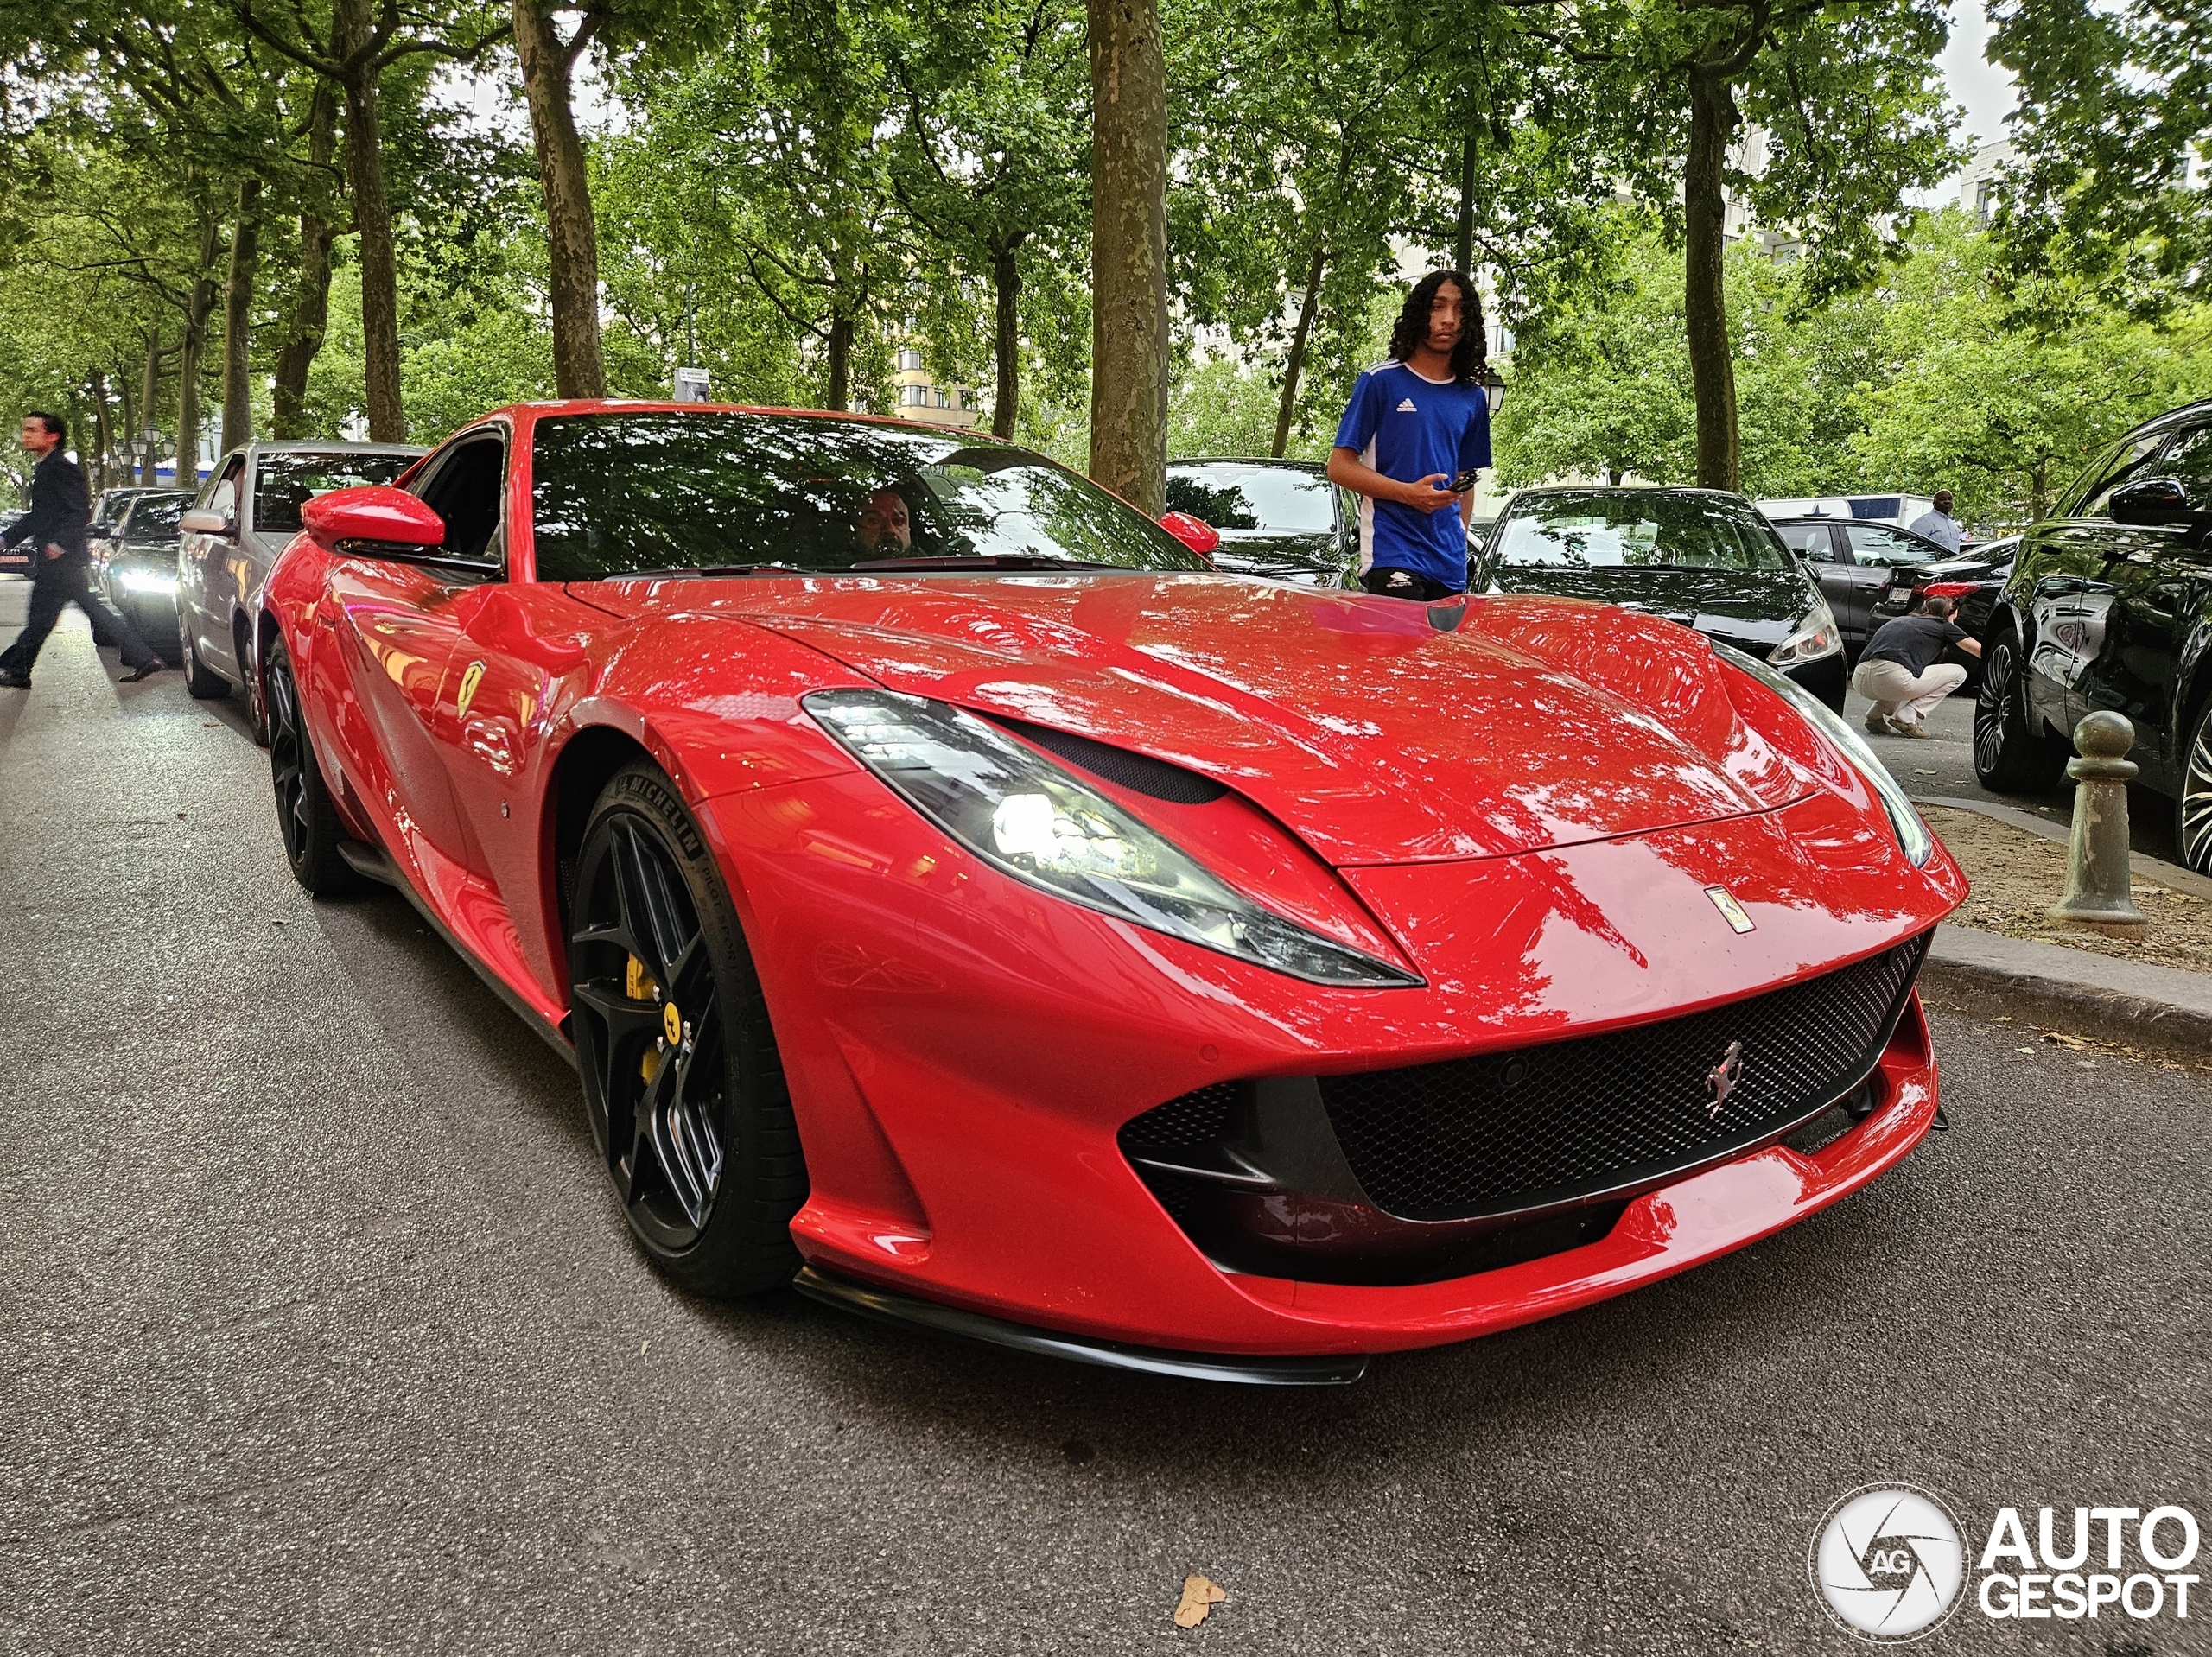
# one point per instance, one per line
(1200, 1596)
(2058, 1039)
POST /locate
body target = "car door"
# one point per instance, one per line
(1829, 565)
(2158, 584)
(207, 595)
(397, 620)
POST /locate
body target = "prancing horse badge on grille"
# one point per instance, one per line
(1720, 1081)
(1732, 912)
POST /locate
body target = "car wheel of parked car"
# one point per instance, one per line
(2193, 810)
(681, 1076)
(2010, 754)
(257, 711)
(306, 814)
(203, 685)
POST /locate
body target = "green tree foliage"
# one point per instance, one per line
(2115, 109)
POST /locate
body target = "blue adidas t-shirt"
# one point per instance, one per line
(1409, 428)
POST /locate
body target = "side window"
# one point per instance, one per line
(2189, 459)
(1809, 540)
(223, 494)
(466, 489)
(2124, 463)
(1873, 544)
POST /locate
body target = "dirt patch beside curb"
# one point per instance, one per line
(2016, 876)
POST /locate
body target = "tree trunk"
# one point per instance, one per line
(102, 433)
(200, 305)
(350, 44)
(840, 362)
(1006, 347)
(1128, 252)
(310, 312)
(571, 236)
(1296, 364)
(1463, 235)
(237, 317)
(123, 451)
(1713, 373)
(149, 393)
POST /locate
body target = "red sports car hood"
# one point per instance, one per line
(1379, 730)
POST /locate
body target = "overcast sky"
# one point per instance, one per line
(1984, 89)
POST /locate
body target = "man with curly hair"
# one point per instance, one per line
(1417, 425)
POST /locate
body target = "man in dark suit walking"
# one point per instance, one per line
(61, 512)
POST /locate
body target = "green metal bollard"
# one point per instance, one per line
(2096, 856)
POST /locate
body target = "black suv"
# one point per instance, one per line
(2110, 605)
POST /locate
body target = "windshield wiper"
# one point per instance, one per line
(983, 561)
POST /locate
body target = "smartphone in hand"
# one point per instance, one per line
(1464, 482)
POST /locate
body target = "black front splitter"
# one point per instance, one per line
(888, 1305)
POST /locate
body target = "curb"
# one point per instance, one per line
(2157, 1010)
(2170, 875)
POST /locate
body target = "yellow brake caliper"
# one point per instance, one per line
(637, 984)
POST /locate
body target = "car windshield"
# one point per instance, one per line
(615, 494)
(1637, 529)
(286, 480)
(154, 517)
(1279, 500)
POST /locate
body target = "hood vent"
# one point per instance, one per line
(1139, 773)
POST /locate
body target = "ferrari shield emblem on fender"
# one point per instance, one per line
(469, 680)
(1731, 910)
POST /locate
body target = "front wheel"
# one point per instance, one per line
(306, 814)
(2193, 810)
(203, 685)
(2012, 753)
(680, 1077)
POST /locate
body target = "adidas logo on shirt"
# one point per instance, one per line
(1407, 407)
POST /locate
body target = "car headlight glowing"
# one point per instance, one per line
(1815, 636)
(1913, 837)
(1028, 816)
(139, 580)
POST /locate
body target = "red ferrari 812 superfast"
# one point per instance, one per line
(959, 899)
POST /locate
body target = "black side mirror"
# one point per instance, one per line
(2152, 501)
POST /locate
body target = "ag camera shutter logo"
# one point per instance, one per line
(1888, 1563)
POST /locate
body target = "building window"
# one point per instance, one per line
(909, 362)
(937, 399)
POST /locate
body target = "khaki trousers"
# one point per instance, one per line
(1901, 695)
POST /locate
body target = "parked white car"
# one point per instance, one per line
(246, 514)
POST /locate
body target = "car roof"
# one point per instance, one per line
(1626, 489)
(334, 446)
(1244, 459)
(2171, 417)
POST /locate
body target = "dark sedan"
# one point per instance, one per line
(2110, 606)
(137, 564)
(1698, 556)
(1870, 573)
(1279, 519)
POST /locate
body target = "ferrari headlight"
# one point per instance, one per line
(1019, 811)
(1815, 636)
(1913, 837)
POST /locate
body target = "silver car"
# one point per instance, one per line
(246, 514)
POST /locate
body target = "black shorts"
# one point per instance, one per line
(1393, 583)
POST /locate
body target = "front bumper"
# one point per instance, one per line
(961, 1051)
(1824, 677)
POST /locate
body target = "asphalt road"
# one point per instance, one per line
(317, 1331)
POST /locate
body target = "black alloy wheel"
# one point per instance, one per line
(680, 1077)
(203, 685)
(305, 815)
(2011, 755)
(2193, 810)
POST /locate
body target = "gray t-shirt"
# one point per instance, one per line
(1912, 642)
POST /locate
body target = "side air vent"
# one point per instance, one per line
(1137, 772)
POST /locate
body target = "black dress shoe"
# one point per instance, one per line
(143, 670)
(14, 681)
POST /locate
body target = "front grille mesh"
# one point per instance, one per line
(1504, 1132)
